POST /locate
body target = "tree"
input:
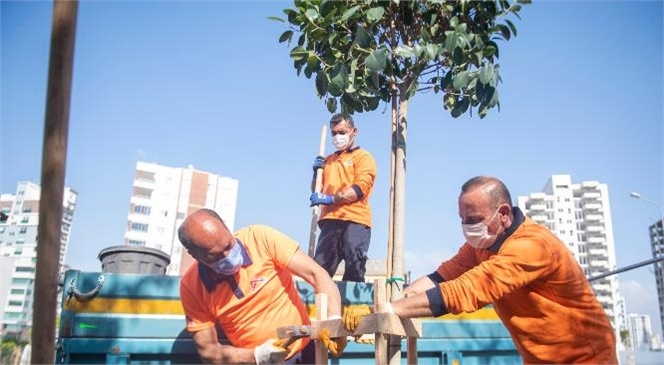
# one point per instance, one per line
(362, 53)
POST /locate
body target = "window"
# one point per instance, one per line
(2, 229)
(20, 281)
(15, 303)
(27, 209)
(17, 291)
(18, 251)
(142, 209)
(23, 230)
(136, 243)
(140, 227)
(24, 269)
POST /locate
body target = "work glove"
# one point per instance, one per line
(336, 345)
(353, 315)
(319, 162)
(270, 352)
(320, 199)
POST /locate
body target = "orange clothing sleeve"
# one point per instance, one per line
(539, 292)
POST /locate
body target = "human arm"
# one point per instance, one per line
(212, 352)
(364, 177)
(305, 267)
(519, 263)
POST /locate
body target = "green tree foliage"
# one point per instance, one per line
(363, 52)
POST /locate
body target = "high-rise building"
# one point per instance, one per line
(657, 246)
(580, 215)
(18, 246)
(163, 196)
(639, 331)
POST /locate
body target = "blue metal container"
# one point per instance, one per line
(110, 318)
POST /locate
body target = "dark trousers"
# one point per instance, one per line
(343, 240)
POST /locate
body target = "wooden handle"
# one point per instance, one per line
(315, 211)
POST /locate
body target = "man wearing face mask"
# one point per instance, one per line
(536, 286)
(242, 283)
(345, 220)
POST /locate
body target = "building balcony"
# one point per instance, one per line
(590, 195)
(594, 217)
(592, 206)
(596, 240)
(600, 263)
(539, 218)
(596, 229)
(597, 252)
(537, 207)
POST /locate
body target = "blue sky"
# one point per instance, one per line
(207, 83)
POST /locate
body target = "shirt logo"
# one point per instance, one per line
(257, 282)
(348, 163)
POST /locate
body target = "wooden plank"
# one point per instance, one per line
(321, 315)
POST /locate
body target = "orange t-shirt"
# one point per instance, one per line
(539, 292)
(343, 170)
(260, 297)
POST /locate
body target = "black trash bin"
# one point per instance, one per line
(134, 260)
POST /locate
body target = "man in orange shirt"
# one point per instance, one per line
(536, 286)
(345, 220)
(242, 284)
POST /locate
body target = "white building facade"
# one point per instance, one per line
(18, 246)
(640, 332)
(163, 196)
(580, 215)
(656, 232)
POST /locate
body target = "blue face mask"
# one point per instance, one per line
(230, 264)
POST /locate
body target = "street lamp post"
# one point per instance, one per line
(638, 196)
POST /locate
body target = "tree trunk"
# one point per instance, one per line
(390, 229)
(54, 156)
(397, 279)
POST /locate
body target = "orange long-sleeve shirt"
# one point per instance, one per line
(539, 292)
(355, 167)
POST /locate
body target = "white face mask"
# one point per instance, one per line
(229, 264)
(341, 141)
(477, 235)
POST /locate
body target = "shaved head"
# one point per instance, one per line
(204, 235)
(495, 191)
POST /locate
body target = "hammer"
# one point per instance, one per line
(293, 333)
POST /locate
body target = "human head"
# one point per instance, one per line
(342, 128)
(205, 236)
(486, 199)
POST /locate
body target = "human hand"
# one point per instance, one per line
(320, 199)
(319, 163)
(336, 345)
(270, 352)
(353, 315)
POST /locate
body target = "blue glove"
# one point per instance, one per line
(319, 162)
(320, 199)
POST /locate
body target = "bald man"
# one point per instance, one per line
(536, 286)
(242, 283)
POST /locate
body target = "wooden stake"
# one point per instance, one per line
(321, 315)
(318, 186)
(54, 158)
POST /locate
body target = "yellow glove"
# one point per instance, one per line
(353, 315)
(336, 346)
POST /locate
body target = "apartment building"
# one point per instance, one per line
(640, 332)
(656, 232)
(580, 215)
(18, 248)
(163, 196)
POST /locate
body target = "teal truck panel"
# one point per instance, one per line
(138, 319)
